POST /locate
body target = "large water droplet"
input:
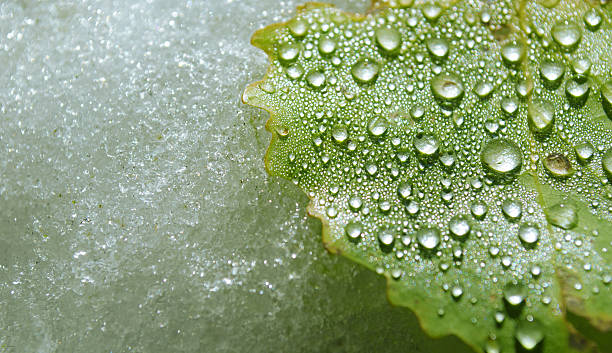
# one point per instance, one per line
(459, 226)
(294, 71)
(365, 70)
(378, 126)
(447, 88)
(479, 209)
(353, 230)
(388, 39)
(562, 215)
(429, 238)
(315, 78)
(483, 89)
(581, 68)
(567, 35)
(386, 238)
(438, 48)
(502, 157)
(512, 209)
(529, 334)
(529, 234)
(592, 19)
(426, 145)
(355, 203)
(431, 11)
(492, 347)
(327, 46)
(512, 53)
(584, 151)
(514, 293)
(298, 27)
(509, 106)
(541, 116)
(558, 165)
(577, 93)
(552, 73)
(289, 52)
(339, 133)
(404, 190)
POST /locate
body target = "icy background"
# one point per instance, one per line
(135, 213)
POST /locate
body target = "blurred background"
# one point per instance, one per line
(135, 211)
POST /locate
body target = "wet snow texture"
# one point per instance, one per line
(135, 212)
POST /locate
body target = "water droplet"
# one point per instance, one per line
(562, 215)
(298, 27)
(499, 317)
(552, 73)
(332, 212)
(315, 78)
(492, 347)
(606, 162)
(365, 70)
(459, 226)
(567, 35)
(606, 97)
(447, 88)
(427, 145)
(514, 293)
(456, 292)
(386, 238)
(429, 238)
(584, 151)
(541, 115)
(404, 190)
(339, 133)
(413, 208)
(529, 334)
(512, 209)
(327, 46)
(509, 105)
(502, 157)
(384, 206)
(524, 87)
(529, 234)
(483, 89)
(592, 19)
(438, 48)
(536, 270)
(581, 68)
(294, 71)
(447, 159)
(378, 126)
(355, 203)
(479, 209)
(558, 165)
(431, 11)
(512, 53)
(388, 39)
(577, 93)
(417, 112)
(353, 230)
(289, 52)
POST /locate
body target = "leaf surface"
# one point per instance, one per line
(462, 149)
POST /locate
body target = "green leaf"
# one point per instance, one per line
(462, 149)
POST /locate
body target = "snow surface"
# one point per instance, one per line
(135, 211)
